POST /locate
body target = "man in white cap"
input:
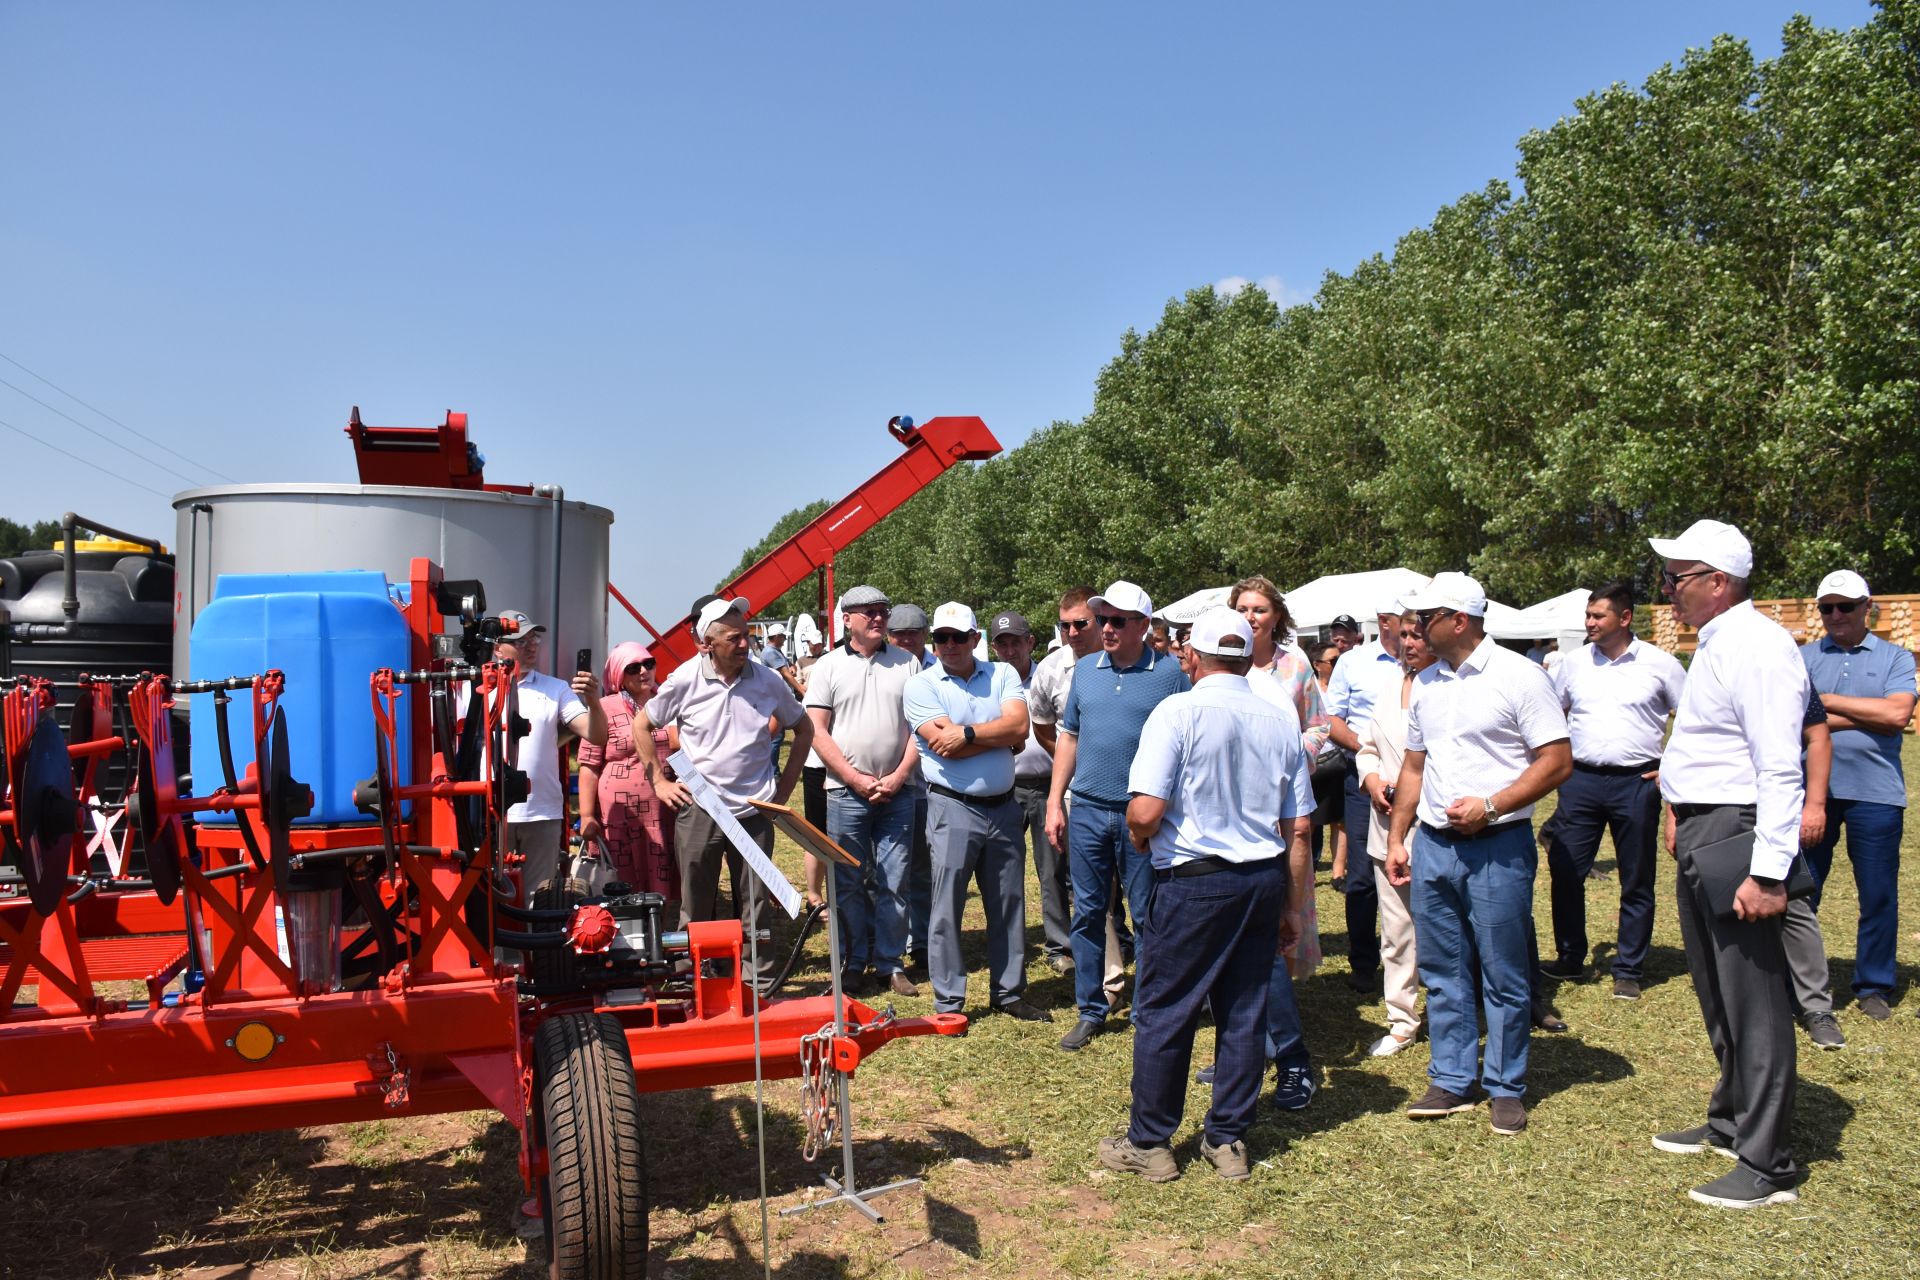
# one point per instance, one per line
(1221, 794)
(553, 710)
(723, 705)
(853, 697)
(1012, 639)
(1732, 774)
(1867, 686)
(1364, 678)
(1112, 694)
(774, 656)
(969, 718)
(1485, 739)
(907, 629)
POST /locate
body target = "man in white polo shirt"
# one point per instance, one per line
(1618, 692)
(723, 704)
(1221, 794)
(969, 718)
(1485, 739)
(1732, 774)
(536, 827)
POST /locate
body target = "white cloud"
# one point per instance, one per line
(1283, 294)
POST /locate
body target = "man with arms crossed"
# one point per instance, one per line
(1732, 768)
(1485, 739)
(1618, 691)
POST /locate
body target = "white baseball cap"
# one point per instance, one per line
(714, 610)
(1844, 583)
(1454, 591)
(1216, 630)
(954, 616)
(1123, 597)
(1719, 546)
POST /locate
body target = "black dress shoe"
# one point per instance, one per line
(1025, 1012)
(1545, 1019)
(1564, 970)
(1364, 982)
(1083, 1031)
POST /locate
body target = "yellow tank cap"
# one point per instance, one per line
(111, 544)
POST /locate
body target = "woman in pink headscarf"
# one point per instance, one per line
(617, 803)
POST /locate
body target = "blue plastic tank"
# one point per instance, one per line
(328, 632)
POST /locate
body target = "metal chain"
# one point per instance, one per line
(819, 1082)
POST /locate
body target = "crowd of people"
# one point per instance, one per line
(1174, 782)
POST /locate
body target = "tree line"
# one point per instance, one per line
(1701, 297)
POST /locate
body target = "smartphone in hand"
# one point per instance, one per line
(583, 661)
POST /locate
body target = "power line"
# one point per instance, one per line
(110, 418)
(85, 461)
(152, 462)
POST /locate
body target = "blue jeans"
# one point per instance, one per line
(1097, 851)
(873, 895)
(1873, 846)
(1286, 1041)
(1475, 897)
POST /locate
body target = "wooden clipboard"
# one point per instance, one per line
(805, 834)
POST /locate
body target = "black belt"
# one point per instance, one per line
(978, 802)
(1033, 784)
(1449, 833)
(1616, 770)
(1208, 866)
(1695, 810)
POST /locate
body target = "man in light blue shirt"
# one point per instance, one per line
(1867, 686)
(969, 718)
(1220, 796)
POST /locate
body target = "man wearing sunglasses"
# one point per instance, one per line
(853, 700)
(1868, 688)
(969, 719)
(1732, 773)
(1485, 739)
(1113, 692)
(1012, 639)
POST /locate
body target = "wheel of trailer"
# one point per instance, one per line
(552, 969)
(595, 1191)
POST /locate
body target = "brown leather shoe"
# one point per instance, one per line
(902, 985)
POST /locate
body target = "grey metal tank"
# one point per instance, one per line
(509, 541)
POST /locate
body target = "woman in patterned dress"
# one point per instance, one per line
(617, 803)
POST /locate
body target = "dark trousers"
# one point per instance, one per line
(1873, 846)
(1592, 803)
(701, 846)
(813, 795)
(1363, 900)
(1739, 970)
(1204, 940)
(1049, 867)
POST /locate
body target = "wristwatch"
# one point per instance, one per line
(968, 730)
(1493, 810)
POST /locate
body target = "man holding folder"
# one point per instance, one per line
(1732, 774)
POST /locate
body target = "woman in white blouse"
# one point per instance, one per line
(1382, 745)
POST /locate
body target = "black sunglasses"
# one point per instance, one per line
(1114, 620)
(1672, 580)
(1077, 624)
(1425, 617)
(1841, 606)
(646, 665)
(949, 637)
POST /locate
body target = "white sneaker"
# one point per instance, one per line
(1388, 1045)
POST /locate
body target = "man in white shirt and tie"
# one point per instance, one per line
(1618, 692)
(1732, 770)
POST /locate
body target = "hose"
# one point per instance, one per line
(793, 957)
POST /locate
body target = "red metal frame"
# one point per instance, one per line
(931, 449)
(255, 1048)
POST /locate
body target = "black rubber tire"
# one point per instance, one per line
(553, 969)
(596, 1184)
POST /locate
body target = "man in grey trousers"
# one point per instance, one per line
(1732, 774)
(969, 718)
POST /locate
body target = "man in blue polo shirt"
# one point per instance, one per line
(1113, 692)
(969, 718)
(1868, 688)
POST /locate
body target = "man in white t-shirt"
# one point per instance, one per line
(553, 710)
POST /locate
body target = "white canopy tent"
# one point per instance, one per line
(1184, 610)
(1562, 618)
(1359, 594)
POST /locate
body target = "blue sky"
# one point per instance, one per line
(687, 260)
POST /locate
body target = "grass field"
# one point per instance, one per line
(1002, 1126)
